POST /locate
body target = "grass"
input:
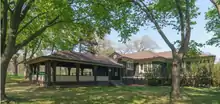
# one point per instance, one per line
(23, 93)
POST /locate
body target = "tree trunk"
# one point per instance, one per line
(4, 65)
(175, 90)
(24, 61)
(15, 64)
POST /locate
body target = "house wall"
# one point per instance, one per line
(145, 66)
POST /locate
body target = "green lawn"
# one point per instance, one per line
(22, 93)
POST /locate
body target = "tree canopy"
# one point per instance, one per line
(194, 48)
(60, 21)
(213, 24)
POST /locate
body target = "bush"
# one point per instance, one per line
(153, 82)
(198, 74)
(216, 75)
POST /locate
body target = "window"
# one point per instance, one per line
(130, 65)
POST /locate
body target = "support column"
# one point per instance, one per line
(30, 73)
(45, 74)
(168, 70)
(34, 73)
(82, 69)
(77, 72)
(109, 74)
(125, 71)
(122, 72)
(95, 74)
(119, 73)
(49, 73)
(38, 70)
(54, 72)
(34, 69)
(69, 69)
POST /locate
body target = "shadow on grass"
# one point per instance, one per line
(203, 95)
(89, 95)
(21, 93)
(15, 79)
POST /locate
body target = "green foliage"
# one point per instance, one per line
(213, 25)
(166, 12)
(194, 48)
(216, 75)
(201, 73)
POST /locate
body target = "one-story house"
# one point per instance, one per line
(140, 63)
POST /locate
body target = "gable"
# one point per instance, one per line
(115, 55)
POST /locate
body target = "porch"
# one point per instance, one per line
(47, 70)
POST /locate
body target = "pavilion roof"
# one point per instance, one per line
(76, 57)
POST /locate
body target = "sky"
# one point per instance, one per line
(198, 33)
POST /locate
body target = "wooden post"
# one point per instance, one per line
(45, 74)
(54, 72)
(113, 73)
(77, 72)
(34, 73)
(82, 69)
(38, 70)
(30, 73)
(69, 69)
(49, 73)
(119, 73)
(95, 74)
(109, 74)
(125, 72)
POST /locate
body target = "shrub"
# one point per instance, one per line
(216, 75)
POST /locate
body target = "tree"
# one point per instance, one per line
(144, 43)
(25, 20)
(105, 47)
(194, 48)
(213, 24)
(174, 13)
(125, 48)
(101, 46)
(15, 64)
(29, 51)
(216, 3)
(95, 45)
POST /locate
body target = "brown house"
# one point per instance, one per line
(147, 62)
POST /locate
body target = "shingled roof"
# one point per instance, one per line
(77, 57)
(150, 55)
(141, 55)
